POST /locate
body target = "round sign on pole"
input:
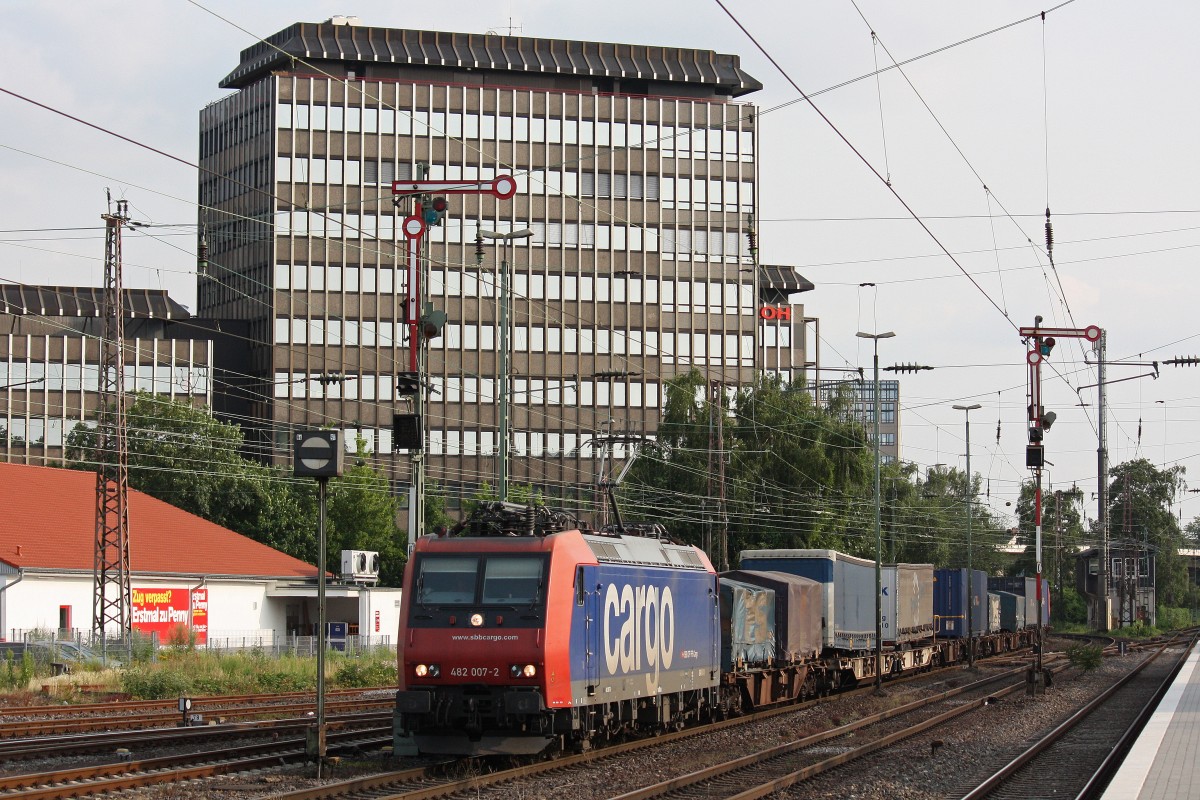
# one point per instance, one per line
(318, 454)
(1033, 357)
(413, 227)
(1092, 333)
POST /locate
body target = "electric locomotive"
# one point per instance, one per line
(524, 631)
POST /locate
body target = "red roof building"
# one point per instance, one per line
(49, 521)
(188, 576)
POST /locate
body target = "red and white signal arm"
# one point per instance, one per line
(502, 187)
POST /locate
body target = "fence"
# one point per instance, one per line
(79, 645)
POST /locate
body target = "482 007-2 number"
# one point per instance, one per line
(475, 672)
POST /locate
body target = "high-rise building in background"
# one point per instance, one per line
(50, 363)
(860, 393)
(636, 172)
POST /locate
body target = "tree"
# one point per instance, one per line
(183, 456)
(669, 481)
(1064, 536)
(361, 515)
(1140, 500)
(794, 473)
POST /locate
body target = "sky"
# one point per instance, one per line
(914, 199)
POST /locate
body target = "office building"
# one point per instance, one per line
(50, 363)
(636, 171)
(860, 396)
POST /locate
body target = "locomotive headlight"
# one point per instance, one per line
(476, 620)
(529, 671)
(427, 670)
(434, 670)
(421, 670)
(519, 671)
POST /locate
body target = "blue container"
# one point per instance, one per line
(747, 625)
(950, 602)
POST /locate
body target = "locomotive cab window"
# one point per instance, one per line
(443, 580)
(513, 580)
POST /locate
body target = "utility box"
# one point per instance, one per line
(360, 566)
(335, 635)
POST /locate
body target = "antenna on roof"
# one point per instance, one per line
(510, 27)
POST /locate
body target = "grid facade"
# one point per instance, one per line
(639, 193)
(862, 408)
(49, 382)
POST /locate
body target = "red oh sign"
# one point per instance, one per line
(782, 313)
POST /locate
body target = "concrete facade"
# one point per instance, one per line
(636, 171)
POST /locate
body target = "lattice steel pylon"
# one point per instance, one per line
(112, 605)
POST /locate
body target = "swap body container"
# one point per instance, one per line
(747, 625)
(907, 602)
(797, 612)
(847, 591)
(993, 612)
(951, 603)
(1012, 611)
(1026, 588)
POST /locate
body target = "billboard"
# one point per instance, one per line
(171, 613)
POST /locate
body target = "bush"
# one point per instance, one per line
(1072, 609)
(1085, 656)
(1170, 619)
(155, 684)
(365, 672)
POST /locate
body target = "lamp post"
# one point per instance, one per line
(970, 574)
(878, 537)
(505, 345)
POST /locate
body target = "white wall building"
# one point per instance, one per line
(190, 579)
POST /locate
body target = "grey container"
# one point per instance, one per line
(907, 602)
(1026, 588)
(1012, 611)
(797, 612)
(747, 625)
(847, 591)
(993, 612)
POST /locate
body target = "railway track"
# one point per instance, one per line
(458, 778)
(109, 741)
(1079, 757)
(129, 773)
(124, 716)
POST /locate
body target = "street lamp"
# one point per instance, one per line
(504, 349)
(970, 590)
(878, 538)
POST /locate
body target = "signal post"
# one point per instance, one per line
(423, 321)
(1040, 420)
